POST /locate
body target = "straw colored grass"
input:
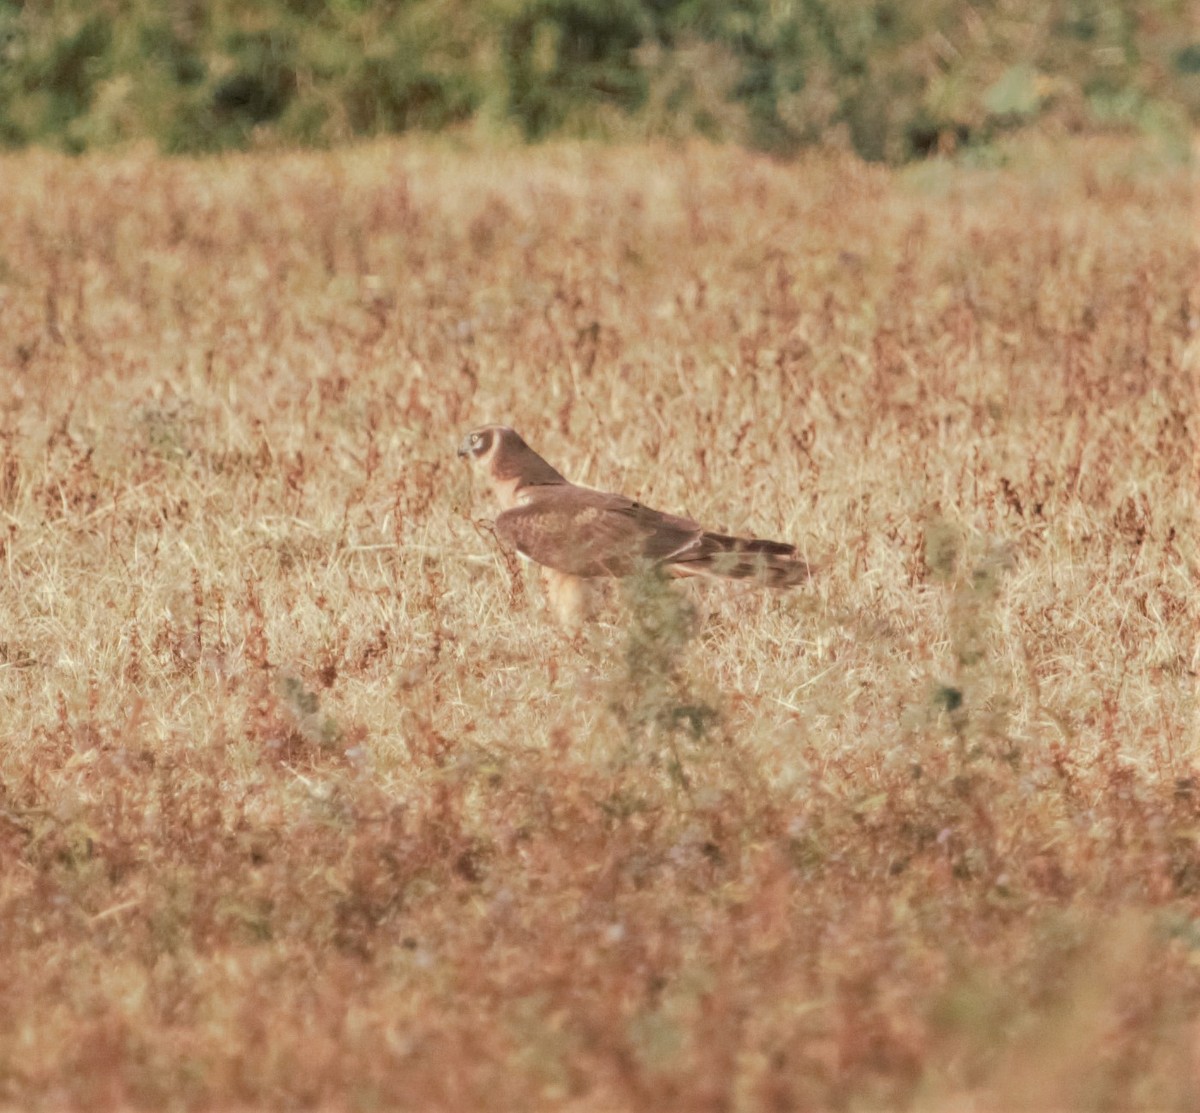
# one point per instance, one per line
(304, 800)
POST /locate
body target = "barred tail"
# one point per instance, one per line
(773, 563)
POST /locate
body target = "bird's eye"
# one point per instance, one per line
(476, 440)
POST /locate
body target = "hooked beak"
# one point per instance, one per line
(464, 449)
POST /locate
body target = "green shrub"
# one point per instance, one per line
(889, 79)
(561, 57)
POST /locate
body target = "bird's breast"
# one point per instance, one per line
(509, 494)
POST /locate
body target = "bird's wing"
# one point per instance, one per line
(591, 533)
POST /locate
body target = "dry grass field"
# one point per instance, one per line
(304, 800)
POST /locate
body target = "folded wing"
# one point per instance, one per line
(591, 533)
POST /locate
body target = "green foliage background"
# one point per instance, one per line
(891, 78)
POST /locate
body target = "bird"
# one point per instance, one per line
(578, 534)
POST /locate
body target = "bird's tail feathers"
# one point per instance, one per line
(773, 563)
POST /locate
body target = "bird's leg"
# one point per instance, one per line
(568, 598)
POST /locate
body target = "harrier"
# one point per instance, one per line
(577, 534)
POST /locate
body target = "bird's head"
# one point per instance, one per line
(501, 456)
(480, 445)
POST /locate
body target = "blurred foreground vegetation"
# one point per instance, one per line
(888, 78)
